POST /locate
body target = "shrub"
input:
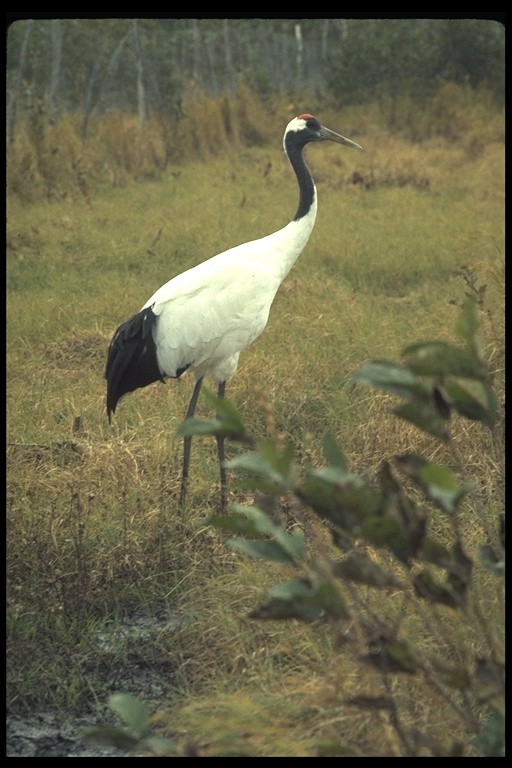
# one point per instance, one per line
(439, 630)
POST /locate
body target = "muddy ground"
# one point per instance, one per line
(45, 734)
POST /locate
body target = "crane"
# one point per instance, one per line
(201, 319)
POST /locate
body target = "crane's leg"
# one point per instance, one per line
(187, 441)
(222, 455)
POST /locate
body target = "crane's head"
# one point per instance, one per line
(306, 128)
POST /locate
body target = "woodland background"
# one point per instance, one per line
(94, 66)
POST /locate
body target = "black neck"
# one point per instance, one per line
(304, 179)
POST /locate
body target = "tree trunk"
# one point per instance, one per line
(11, 121)
(88, 105)
(56, 64)
(230, 75)
(141, 91)
(196, 67)
(299, 73)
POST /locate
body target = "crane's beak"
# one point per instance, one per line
(328, 135)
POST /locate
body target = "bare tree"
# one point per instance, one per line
(298, 58)
(11, 120)
(141, 91)
(230, 75)
(56, 64)
(196, 66)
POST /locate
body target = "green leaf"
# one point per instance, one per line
(341, 497)
(439, 475)
(333, 453)
(391, 378)
(267, 487)
(253, 523)
(225, 409)
(490, 560)
(329, 503)
(460, 571)
(162, 747)
(282, 459)
(359, 568)
(437, 358)
(298, 599)
(473, 399)
(437, 481)
(385, 531)
(266, 550)
(402, 654)
(434, 552)
(441, 486)
(424, 415)
(289, 600)
(389, 485)
(227, 424)
(491, 740)
(215, 427)
(256, 463)
(288, 590)
(337, 477)
(294, 543)
(192, 427)
(327, 596)
(244, 524)
(134, 713)
(430, 589)
(276, 609)
(269, 462)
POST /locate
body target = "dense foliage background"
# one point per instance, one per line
(90, 65)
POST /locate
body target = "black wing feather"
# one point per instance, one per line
(132, 360)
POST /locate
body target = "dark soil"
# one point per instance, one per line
(47, 734)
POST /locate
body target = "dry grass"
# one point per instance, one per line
(94, 534)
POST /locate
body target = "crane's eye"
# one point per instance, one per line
(313, 124)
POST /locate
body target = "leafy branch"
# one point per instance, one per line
(384, 536)
(434, 381)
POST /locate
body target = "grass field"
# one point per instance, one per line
(94, 534)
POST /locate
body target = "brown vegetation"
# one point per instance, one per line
(93, 531)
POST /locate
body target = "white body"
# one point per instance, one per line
(207, 315)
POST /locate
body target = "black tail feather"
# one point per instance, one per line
(131, 362)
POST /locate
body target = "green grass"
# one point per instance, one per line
(93, 529)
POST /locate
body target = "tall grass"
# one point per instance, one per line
(94, 535)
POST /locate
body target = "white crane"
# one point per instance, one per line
(202, 319)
